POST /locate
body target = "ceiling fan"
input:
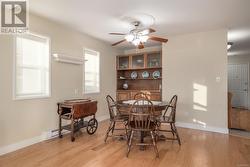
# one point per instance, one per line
(138, 36)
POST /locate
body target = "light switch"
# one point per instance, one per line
(218, 79)
(76, 91)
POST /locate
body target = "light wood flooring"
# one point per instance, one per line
(199, 149)
(239, 133)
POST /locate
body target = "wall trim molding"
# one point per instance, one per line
(21, 144)
(44, 136)
(203, 128)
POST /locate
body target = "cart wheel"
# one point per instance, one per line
(92, 126)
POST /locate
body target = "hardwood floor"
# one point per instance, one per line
(239, 133)
(199, 149)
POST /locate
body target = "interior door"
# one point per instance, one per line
(238, 84)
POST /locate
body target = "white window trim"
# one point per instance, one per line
(99, 91)
(14, 97)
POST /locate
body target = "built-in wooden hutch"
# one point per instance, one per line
(139, 72)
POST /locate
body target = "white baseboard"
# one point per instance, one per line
(44, 136)
(21, 144)
(47, 135)
(201, 127)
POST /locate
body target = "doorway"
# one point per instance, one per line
(238, 75)
(238, 97)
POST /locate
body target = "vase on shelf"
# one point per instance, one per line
(125, 86)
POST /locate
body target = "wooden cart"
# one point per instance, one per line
(76, 110)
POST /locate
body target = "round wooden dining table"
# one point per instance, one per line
(125, 105)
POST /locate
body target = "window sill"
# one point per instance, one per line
(92, 93)
(31, 97)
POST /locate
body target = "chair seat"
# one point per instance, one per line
(151, 126)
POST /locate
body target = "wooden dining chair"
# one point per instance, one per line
(115, 118)
(168, 117)
(141, 119)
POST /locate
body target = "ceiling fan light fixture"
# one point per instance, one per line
(139, 36)
(136, 41)
(129, 37)
(143, 38)
(144, 32)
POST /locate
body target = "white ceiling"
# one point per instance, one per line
(99, 17)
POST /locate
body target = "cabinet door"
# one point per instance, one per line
(138, 61)
(235, 120)
(123, 95)
(155, 96)
(123, 62)
(154, 60)
(245, 120)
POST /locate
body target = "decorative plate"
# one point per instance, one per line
(133, 75)
(156, 74)
(145, 74)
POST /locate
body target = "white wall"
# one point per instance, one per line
(191, 64)
(146, 49)
(25, 119)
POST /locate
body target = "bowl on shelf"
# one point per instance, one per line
(122, 77)
(125, 85)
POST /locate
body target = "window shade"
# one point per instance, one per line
(32, 67)
(91, 71)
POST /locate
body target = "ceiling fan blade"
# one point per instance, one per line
(146, 31)
(118, 42)
(158, 39)
(115, 33)
(151, 30)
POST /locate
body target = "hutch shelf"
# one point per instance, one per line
(139, 73)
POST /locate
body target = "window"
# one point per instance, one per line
(32, 67)
(91, 71)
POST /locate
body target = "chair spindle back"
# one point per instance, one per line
(112, 106)
(141, 115)
(171, 108)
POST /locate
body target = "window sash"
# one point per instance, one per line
(92, 83)
(43, 91)
(42, 68)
